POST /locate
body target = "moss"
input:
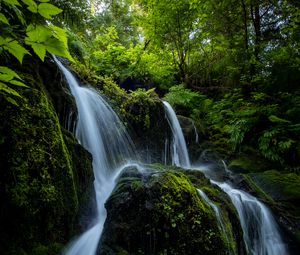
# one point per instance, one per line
(38, 187)
(164, 215)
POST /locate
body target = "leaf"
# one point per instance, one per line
(6, 70)
(60, 34)
(44, 1)
(32, 6)
(37, 34)
(3, 19)
(57, 47)
(8, 90)
(276, 119)
(39, 50)
(15, 49)
(18, 83)
(11, 2)
(47, 10)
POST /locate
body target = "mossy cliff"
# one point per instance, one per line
(40, 179)
(157, 210)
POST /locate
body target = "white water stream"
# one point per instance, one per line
(179, 152)
(101, 132)
(260, 231)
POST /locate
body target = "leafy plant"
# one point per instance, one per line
(13, 40)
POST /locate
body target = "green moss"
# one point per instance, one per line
(164, 215)
(38, 188)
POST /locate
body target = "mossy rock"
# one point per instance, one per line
(39, 188)
(281, 191)
(159, 212)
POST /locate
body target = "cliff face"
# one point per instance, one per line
(43, 168)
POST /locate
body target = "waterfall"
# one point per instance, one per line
(179, 152)
(221, 223)
(260, 230)
(261, 234)
(101, 132)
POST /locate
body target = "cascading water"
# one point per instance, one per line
(102, 133)
(261, 235)
(179, 152)
(260, 230)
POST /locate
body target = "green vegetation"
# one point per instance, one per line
(232, 66)
(164, 215)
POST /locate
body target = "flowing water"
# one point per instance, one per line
(101, 132)
(260, 231)
(178, 148)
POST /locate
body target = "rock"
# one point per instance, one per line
(160, 212)
(40, 186)
(281, 191)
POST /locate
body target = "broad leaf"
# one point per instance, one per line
(39, 50)
(60, 34)
(3, 19)
(32, 6)
(44, 1)
(48, 10)
(37, 34)
(15, 49)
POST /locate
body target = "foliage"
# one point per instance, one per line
(18, 30)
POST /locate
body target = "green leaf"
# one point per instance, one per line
(6, 70)
(39, 50)
(37, 34)
(11, 2)
(60, 34)
(8, 90)
(3, 19)
(276, 119)
(18, 83)
(15, 49)
(47, 10)
(32, 6)
(44, 1)
(57, 47)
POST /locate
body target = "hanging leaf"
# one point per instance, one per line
(40, 50)
(11, 2)
(8, 90)
(3, 19)
(37, 34)
(13, 47)
(57, 47)
(6, 74)
(48, 10)
(32, 6)
(60, 34)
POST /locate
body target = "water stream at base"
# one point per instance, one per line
(101, 132)
(260, 230)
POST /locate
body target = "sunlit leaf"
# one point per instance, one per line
(15, 49)
(48, 10)
(12, 2)
(32, 6)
